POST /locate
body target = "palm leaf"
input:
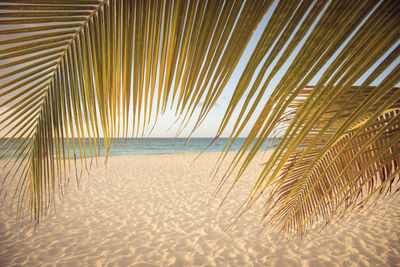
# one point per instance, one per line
(312, 122)
(93, 68)
(68, 72)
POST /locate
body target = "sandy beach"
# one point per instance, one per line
(152, 211)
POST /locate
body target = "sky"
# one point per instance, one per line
(212, 122)
(166, 126)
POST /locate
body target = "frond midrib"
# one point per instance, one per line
(67, 48)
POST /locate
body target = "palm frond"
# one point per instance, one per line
(82, 70)
(318, 181)
(320, 128)
(93, 68)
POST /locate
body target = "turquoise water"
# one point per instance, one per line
(150, 146)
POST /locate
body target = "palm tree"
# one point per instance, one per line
(92, 67)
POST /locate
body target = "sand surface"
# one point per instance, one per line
(151, 211)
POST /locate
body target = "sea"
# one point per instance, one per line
(145, 146)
